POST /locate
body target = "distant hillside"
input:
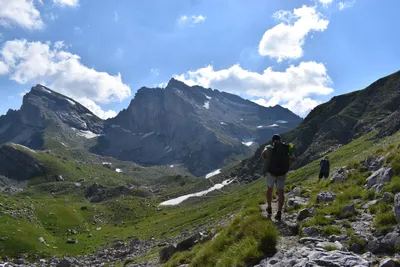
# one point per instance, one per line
(342, 119)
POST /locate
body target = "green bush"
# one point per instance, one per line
(331, 230)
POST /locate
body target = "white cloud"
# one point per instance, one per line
(344, 5)
(77, 30)
(292, 87)
(155, 72)
(195, 19)
(96, 109)
(325, 3)
(22, 13)
(51, 16)
(116, 16)
(3, 68)
(64, 3)
(286, 40)
(198, 19)
(44, 63)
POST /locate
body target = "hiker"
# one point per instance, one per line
(277, 160)
(324, 168)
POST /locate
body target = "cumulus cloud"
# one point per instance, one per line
(344, 5)
(193, 19)
(65, 3)
(22, 13)
(46, 63)
(291, 88)
(96, 109)
(3, 68)
(286, 40)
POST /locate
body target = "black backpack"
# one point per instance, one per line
(280, 160)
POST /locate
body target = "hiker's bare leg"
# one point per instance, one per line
(269, 196)
(281, 199)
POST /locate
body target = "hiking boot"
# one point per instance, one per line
(278, 215)
(269, 211)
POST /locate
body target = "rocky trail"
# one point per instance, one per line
(313, 250)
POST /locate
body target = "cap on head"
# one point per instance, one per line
(276, 137)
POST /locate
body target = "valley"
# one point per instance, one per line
(66, 198)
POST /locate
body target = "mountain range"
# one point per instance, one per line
(191, 128)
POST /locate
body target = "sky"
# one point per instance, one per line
(295, 53)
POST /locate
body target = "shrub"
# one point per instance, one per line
(331, 230)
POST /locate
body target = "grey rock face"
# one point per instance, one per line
(18, 164)
(167, 253)
(326, 196)
(192, 125)
(377, 180)
(45, 110)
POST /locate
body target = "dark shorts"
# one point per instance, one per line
(323, 174)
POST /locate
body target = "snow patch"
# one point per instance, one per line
(208, 97)
(88, 114)
(280, 121)
(168, 149)
(171, 166)
(118, 170)
(223, 123)
(180, 199)
(206, 105)
(259, 126)
(45, 90)
(248, 143)
(71, 102)
(115, 126)
(88, 134)
(147, 134)
(213, 173)
(27, 148)
(273, 125)
(241, 119)
(63, 144)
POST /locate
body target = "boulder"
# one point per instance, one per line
(390, 241)
(65, 263)
(339, 175)
(310, 231)
(389, 263)
(72, 241)
(304, 213)
(166, 253)
(188, 243)
(348, 211)
(326, 196)
(396, 206)
(377, 180)
(373, 163)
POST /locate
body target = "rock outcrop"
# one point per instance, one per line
(17, 164)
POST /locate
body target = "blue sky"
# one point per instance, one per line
(294, 53)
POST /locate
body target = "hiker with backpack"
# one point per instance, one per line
(324, 168)
(277, 159)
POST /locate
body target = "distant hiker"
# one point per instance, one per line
(277, 160)
(324, 168)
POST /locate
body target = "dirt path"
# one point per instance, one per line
(287, 230)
